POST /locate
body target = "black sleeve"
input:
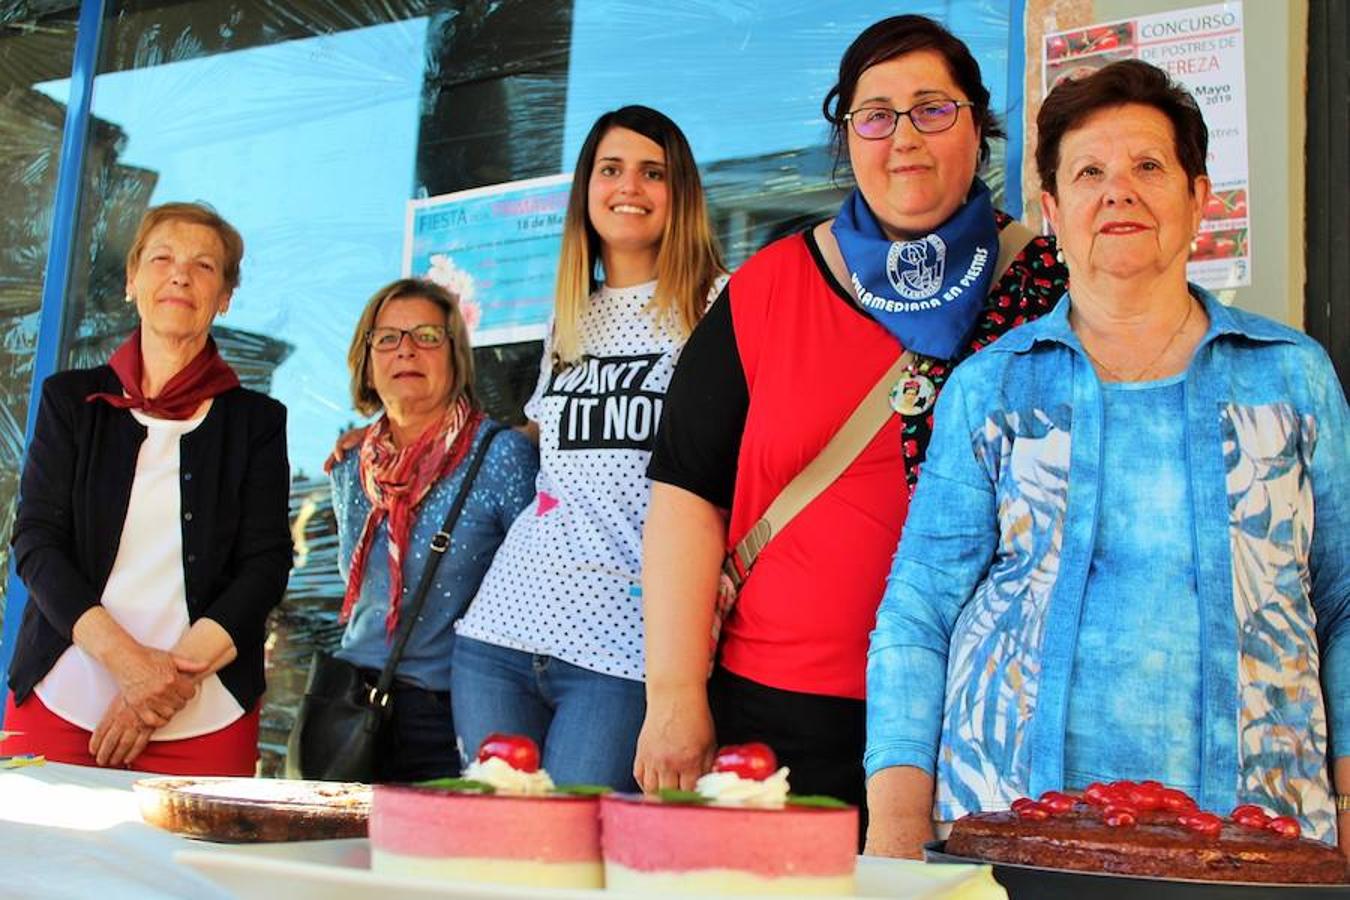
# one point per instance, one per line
(44, 528)
(700, 435)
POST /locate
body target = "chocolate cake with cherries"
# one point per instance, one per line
(1146, 829)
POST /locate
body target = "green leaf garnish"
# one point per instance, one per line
(672, 795)
(820, 801)
(583, 790)
(462, 785)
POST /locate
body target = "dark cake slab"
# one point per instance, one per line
(1037, 883)
(248, 810)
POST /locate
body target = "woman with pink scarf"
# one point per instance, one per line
(411, 362)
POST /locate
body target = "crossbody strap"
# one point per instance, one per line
(843, 447)
(440, 542)
(1012, 240)
(848, 442)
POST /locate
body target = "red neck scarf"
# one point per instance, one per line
(203, 378)
(396, 481)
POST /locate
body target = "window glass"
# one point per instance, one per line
(311, 126)
(745, 82)
(32, 50)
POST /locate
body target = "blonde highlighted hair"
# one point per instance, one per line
(689, 260)
(364, 397)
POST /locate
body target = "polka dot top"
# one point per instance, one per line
(566, 581)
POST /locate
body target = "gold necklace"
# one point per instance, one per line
(1139, 376)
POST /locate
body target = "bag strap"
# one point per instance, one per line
(440, 542)
(1012, 240)
(843, 447)
(872, 412)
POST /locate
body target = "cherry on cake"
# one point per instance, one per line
(503, 822)
(1144, 828)
(739, 833)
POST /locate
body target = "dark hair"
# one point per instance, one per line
(1074, 100)
(899, 36)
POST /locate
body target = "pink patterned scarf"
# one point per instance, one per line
(396, 481)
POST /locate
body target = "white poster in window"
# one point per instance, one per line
(496, 248)
(1201, 49)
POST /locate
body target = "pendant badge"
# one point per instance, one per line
(913, 394)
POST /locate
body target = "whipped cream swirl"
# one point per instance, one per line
(730, 789)
(499, 773)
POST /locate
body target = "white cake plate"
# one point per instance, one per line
(340, 870)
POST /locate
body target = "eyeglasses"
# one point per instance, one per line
(875, 123)
(425, 337)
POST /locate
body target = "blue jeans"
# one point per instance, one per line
(586, 724)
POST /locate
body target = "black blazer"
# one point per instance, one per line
(73, 500)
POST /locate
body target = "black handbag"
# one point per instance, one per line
(338, 724)
(337, 728)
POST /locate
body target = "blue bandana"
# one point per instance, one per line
(927, 292)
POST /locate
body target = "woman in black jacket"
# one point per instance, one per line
(152, 531)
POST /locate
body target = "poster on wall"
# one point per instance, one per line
(496, 248)
(1200, 48)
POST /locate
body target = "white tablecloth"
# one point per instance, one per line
(76, 832)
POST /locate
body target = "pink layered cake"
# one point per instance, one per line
(742, 834)
(538, 841)
(503, 823)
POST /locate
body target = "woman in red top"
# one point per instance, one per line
(804, 330)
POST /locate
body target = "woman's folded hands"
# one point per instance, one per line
(155, 684)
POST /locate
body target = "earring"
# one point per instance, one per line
(1195, 245)
(1059, 255)
(128, 298)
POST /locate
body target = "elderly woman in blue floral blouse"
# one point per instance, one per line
(1112, 568)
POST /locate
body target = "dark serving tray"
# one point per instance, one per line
(1035, 883)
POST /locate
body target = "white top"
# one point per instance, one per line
(566, 582)
(145, 594)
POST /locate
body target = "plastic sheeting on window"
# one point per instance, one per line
(36, 44)
(311, 125)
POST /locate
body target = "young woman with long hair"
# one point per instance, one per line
(552, 646)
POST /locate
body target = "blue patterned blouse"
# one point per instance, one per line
(971, 663)
(504, 486)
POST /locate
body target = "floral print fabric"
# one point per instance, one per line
(1282, 723)
(993, 669)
